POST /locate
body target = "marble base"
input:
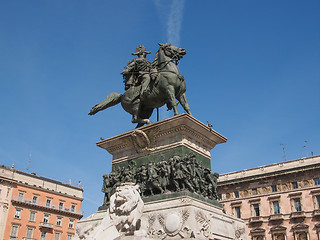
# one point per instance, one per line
(186, 217)
(183, 217)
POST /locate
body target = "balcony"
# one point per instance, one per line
(297, 216)
(26, 238)
(276, 218)
(255, 220)
(46, 225)
(29, 202)
(316, 213)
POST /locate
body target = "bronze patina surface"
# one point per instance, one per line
(150, 85)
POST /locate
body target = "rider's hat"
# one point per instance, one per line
(140, 49)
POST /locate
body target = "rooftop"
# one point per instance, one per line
(34, 181)
(272, 169)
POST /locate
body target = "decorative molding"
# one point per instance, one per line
(315, 191)
(204, 222)
(140, 141)
(255, 200)
(237, 203)
(278, 229)
(276, 197)
(300, 226)
(296, 194)
(178, 131)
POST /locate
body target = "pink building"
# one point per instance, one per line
(37, 208)
(277, 201)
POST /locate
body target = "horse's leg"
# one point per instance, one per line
(172, 99)
(183, 100)
(136, 119)
(136, 115)
(143, 116)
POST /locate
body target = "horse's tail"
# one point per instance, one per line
(111, 100)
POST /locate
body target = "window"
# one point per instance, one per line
(301, 235)
(274, 188)
(316, 181)
(59, 221)
(254, 191)
(43, 235)
(35, 199)
(48, 203)
(17, 213)
(61, 206)
(294, 185)
(57, 236)
(256, 210)
(280, 236)
(46, 218)
(318, 201)
(20, 196)
(29, 232)
(297, 205)
(32, 216)
(14, 232)
(71, 223)
(69, 237)
(236, 194)
(276, 207)
(73, 208)
(258, 238)
(237, 211)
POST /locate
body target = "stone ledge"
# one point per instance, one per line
(179, 130)
(179, 195)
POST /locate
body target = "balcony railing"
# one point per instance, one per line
(299, 214)
(316, 213)
(275, 217)
(44, 204)
(46, 225)
(256, 219)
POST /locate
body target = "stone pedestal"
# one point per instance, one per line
(159, 141)
(172, 212)
(185, 217)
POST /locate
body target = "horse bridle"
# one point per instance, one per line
(175, 56)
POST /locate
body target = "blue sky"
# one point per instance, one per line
(252, 70)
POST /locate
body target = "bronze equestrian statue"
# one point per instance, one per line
(150, 85)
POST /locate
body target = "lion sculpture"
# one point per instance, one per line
(126, 207)
(122, 218)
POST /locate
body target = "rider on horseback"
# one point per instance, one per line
(141, 70)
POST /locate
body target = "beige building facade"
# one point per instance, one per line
(278, 202)
(37, 208)
(6, 185)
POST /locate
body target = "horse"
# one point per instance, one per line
(168, 86)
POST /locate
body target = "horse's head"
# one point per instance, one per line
(173, 52)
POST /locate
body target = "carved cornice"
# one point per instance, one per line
(179, 130)
(257, 230)
(278, 229)
(276, 197)
(255, 200)
(315, 191)
(296, 194)
(47, 209)
(237, 203)
(300, 226)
